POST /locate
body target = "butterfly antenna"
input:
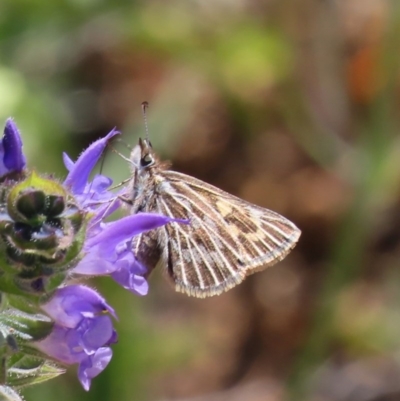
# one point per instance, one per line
(145, 106)
(119, 140)
(120, 155)
(123, 157)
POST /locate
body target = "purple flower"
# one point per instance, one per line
(12, 158)
(108, 246)
(90, 195)
(83, 331)
(109, 251)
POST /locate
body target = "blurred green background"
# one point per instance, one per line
(290, 104)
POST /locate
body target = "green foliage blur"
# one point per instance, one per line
(293, 105)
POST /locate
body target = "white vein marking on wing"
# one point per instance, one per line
(214, 233)
(187, 179)
(271, 249)
(175, 176)
(275, 240)
(227, 264)
(209, 267)
(194, 182)
(259, 237)
(256, 209)
(196, 266)
(212, 212)
(261, 212)
(277, 229)
(177, 230)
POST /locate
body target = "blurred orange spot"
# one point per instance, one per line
(363, 74)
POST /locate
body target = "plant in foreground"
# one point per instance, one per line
(49, 232)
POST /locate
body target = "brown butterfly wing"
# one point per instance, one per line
(226, 240)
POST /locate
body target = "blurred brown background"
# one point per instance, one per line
(293, 105)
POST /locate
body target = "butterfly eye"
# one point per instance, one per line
(146, 161)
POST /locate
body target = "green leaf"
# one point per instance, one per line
(30, 370)
(24, 326)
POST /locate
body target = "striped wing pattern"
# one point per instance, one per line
(227, 238)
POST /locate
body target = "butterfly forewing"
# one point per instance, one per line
(226, 240)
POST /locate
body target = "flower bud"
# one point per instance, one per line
(43, 230)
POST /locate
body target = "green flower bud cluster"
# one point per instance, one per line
(41, 233)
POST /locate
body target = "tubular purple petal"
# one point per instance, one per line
(68, 162)
(128, 227)
(56, 345)
(95, 333)
(80, 171)
(93, 365)
(101, 183)
(70, 304)
(135, 283)
(93, 265)
(130, 274)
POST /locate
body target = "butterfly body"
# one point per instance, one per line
(226, 239)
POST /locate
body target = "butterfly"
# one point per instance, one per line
(226, 239)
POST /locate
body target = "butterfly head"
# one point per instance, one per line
(142, 155)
